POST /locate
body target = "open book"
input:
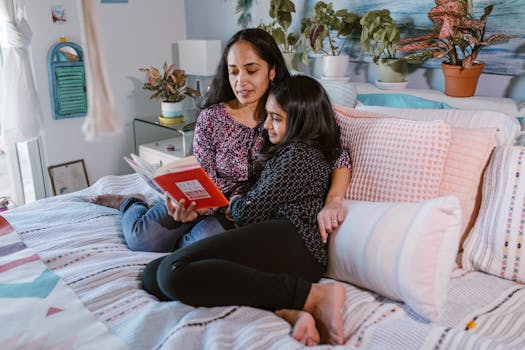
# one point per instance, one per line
(180, 179)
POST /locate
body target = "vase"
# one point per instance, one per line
(171, 110)
(392, 70)
(335, 66)
(461, 82)
(292, 60)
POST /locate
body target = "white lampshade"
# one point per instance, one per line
(199, 57)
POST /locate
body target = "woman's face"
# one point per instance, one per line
(275, 122)
(249, 74)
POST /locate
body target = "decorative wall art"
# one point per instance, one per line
(68, 177)
(507, 17)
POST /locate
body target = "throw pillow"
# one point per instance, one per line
(400, 101)
(394, 160)
(494, 244)
(468, 156)
(403, 251)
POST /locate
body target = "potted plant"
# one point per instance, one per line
(379, 36)
(457, 36)
(169, 88)
(327, 31)
(281, 14)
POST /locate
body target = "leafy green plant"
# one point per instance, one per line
(168, 87)
(334, 26)
(379, 34)
(281, 14)
(456, 35)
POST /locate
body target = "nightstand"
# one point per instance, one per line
(159, 143)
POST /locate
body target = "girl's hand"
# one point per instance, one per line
(178, 212)
(330, 217)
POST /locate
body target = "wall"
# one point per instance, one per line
(134, 34)
(217, 28)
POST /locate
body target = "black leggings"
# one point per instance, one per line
(264, 265)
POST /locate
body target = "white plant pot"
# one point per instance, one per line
(335, 66)
(171, 109)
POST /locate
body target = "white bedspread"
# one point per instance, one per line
(82, 243)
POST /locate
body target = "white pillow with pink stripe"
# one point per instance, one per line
(395, 160)
(404, 251)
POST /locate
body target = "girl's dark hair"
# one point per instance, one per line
(267, 50)
(310, 117)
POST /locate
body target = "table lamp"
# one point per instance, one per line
(199, 57)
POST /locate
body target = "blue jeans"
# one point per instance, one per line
(154, 230)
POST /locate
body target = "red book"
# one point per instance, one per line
(181, 179)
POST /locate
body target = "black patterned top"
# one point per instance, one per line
(293, 186)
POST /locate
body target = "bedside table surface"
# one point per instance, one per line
(189, 118)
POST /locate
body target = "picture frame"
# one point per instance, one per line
(68, 177)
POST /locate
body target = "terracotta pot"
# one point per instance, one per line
(460, 82)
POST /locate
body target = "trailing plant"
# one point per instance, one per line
(243, 7)
(379, 34)
(327, 27)
(169, 86)
(456, 35)
(281, 14)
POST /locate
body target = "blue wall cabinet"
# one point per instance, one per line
(67, 80)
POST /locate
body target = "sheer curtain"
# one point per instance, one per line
(20, 112)
(101, 119)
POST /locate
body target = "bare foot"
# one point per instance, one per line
(114, 200)
(325, 302)
(303, 323)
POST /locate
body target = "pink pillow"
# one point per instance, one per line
(394, 160)
(469, 153)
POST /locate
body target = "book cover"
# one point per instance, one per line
(181, 179)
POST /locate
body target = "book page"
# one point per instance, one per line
(177, 165)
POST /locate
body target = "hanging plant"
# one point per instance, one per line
(245, 17)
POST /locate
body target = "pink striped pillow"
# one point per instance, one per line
(394, 160)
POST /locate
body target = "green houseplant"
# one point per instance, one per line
(327, 31)
(457, 37)
(279, 28)
(169, 88)
(379, 36)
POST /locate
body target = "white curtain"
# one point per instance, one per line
(101, 119)
(20, 112)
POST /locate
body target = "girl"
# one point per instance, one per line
(275, 257)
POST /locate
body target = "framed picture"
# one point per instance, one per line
(68, 177)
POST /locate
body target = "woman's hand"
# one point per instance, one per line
(330, 217)
(178, 212)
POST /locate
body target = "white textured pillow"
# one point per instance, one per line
(508, 128)
(494, 244)
(404, 251)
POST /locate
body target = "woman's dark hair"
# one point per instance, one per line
(310, 117)
(267, 50)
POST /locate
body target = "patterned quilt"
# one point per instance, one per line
(78, 248)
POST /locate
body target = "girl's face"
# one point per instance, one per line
(249, 74)
(275, 122)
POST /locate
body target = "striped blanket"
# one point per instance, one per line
(82, 244)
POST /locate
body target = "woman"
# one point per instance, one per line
(228, 137)
(276, 255)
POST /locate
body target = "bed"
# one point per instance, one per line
(69, 281)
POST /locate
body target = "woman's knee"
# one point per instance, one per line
(175, 279)
(149, 279)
